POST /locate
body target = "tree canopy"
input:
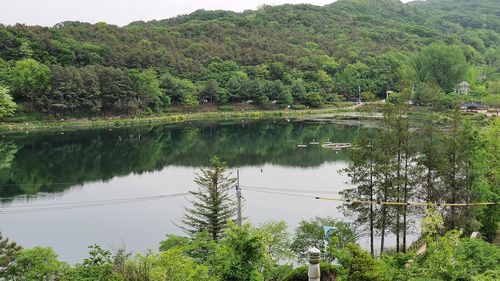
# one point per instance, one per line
(273, 55)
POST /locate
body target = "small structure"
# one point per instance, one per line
(314, 272)
(387, 94)
(474, 107)
(463, 88)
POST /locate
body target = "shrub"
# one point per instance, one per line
(313, 100)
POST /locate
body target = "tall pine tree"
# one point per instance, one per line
(212, 206)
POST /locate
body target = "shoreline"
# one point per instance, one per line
(75, 124)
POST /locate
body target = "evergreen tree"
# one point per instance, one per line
(213, 206)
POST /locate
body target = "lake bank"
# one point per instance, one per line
(70, 124)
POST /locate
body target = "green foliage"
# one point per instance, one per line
(313, 100)
(489, 160)
(147, 89)
(358, 265)
(173, 265)
(441, 64)
(7, 105)
(29, 79)
(432, 223)
(241, 254)
(452, 258)
(9, 251)
(274, 54)
(173, 241)
(37, 264)
(278, 240)
(98, 266)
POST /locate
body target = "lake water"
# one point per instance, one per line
(40, 172)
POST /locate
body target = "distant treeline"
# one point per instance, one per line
(275, 55)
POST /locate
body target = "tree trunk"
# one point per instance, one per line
(372, 250)
(405, 195)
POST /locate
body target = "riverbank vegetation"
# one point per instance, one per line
(276, 56)
(266, 252)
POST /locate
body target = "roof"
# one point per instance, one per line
(471, 105)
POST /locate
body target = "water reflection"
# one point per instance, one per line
(53, 162)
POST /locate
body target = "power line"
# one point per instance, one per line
(284, 192)
(408, 203)
(87, 204)
(254, 187)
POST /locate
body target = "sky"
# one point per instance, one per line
(119, 12)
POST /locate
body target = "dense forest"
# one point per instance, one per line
(273, 56)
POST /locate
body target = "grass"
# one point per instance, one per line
(23, 123)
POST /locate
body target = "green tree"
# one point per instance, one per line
(181, 91)
(7, 105)
(452, 258)
(37, 264)
(98, 266)
(29, 79)
(313, 100)
(201, 247)
(147, 88)
(172, 265)
(298, 90)
(360, 266)
(361, 172)
(442, 64)
(241, 254)
(212, 207)
(211, 91)
(489, 191)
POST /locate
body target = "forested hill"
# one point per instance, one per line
(286, 53)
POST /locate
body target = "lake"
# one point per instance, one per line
(114, 187)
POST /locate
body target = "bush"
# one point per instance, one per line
(328, 272)
(313, 100)
(37, 264)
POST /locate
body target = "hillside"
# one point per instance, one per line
(331, 50)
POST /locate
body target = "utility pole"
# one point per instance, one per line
(238, 195)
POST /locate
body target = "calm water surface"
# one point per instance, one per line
(38, 169)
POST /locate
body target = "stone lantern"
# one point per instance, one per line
(314, 258)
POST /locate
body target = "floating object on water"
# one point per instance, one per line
(314, 142)
(336, 145)
(302, 145)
